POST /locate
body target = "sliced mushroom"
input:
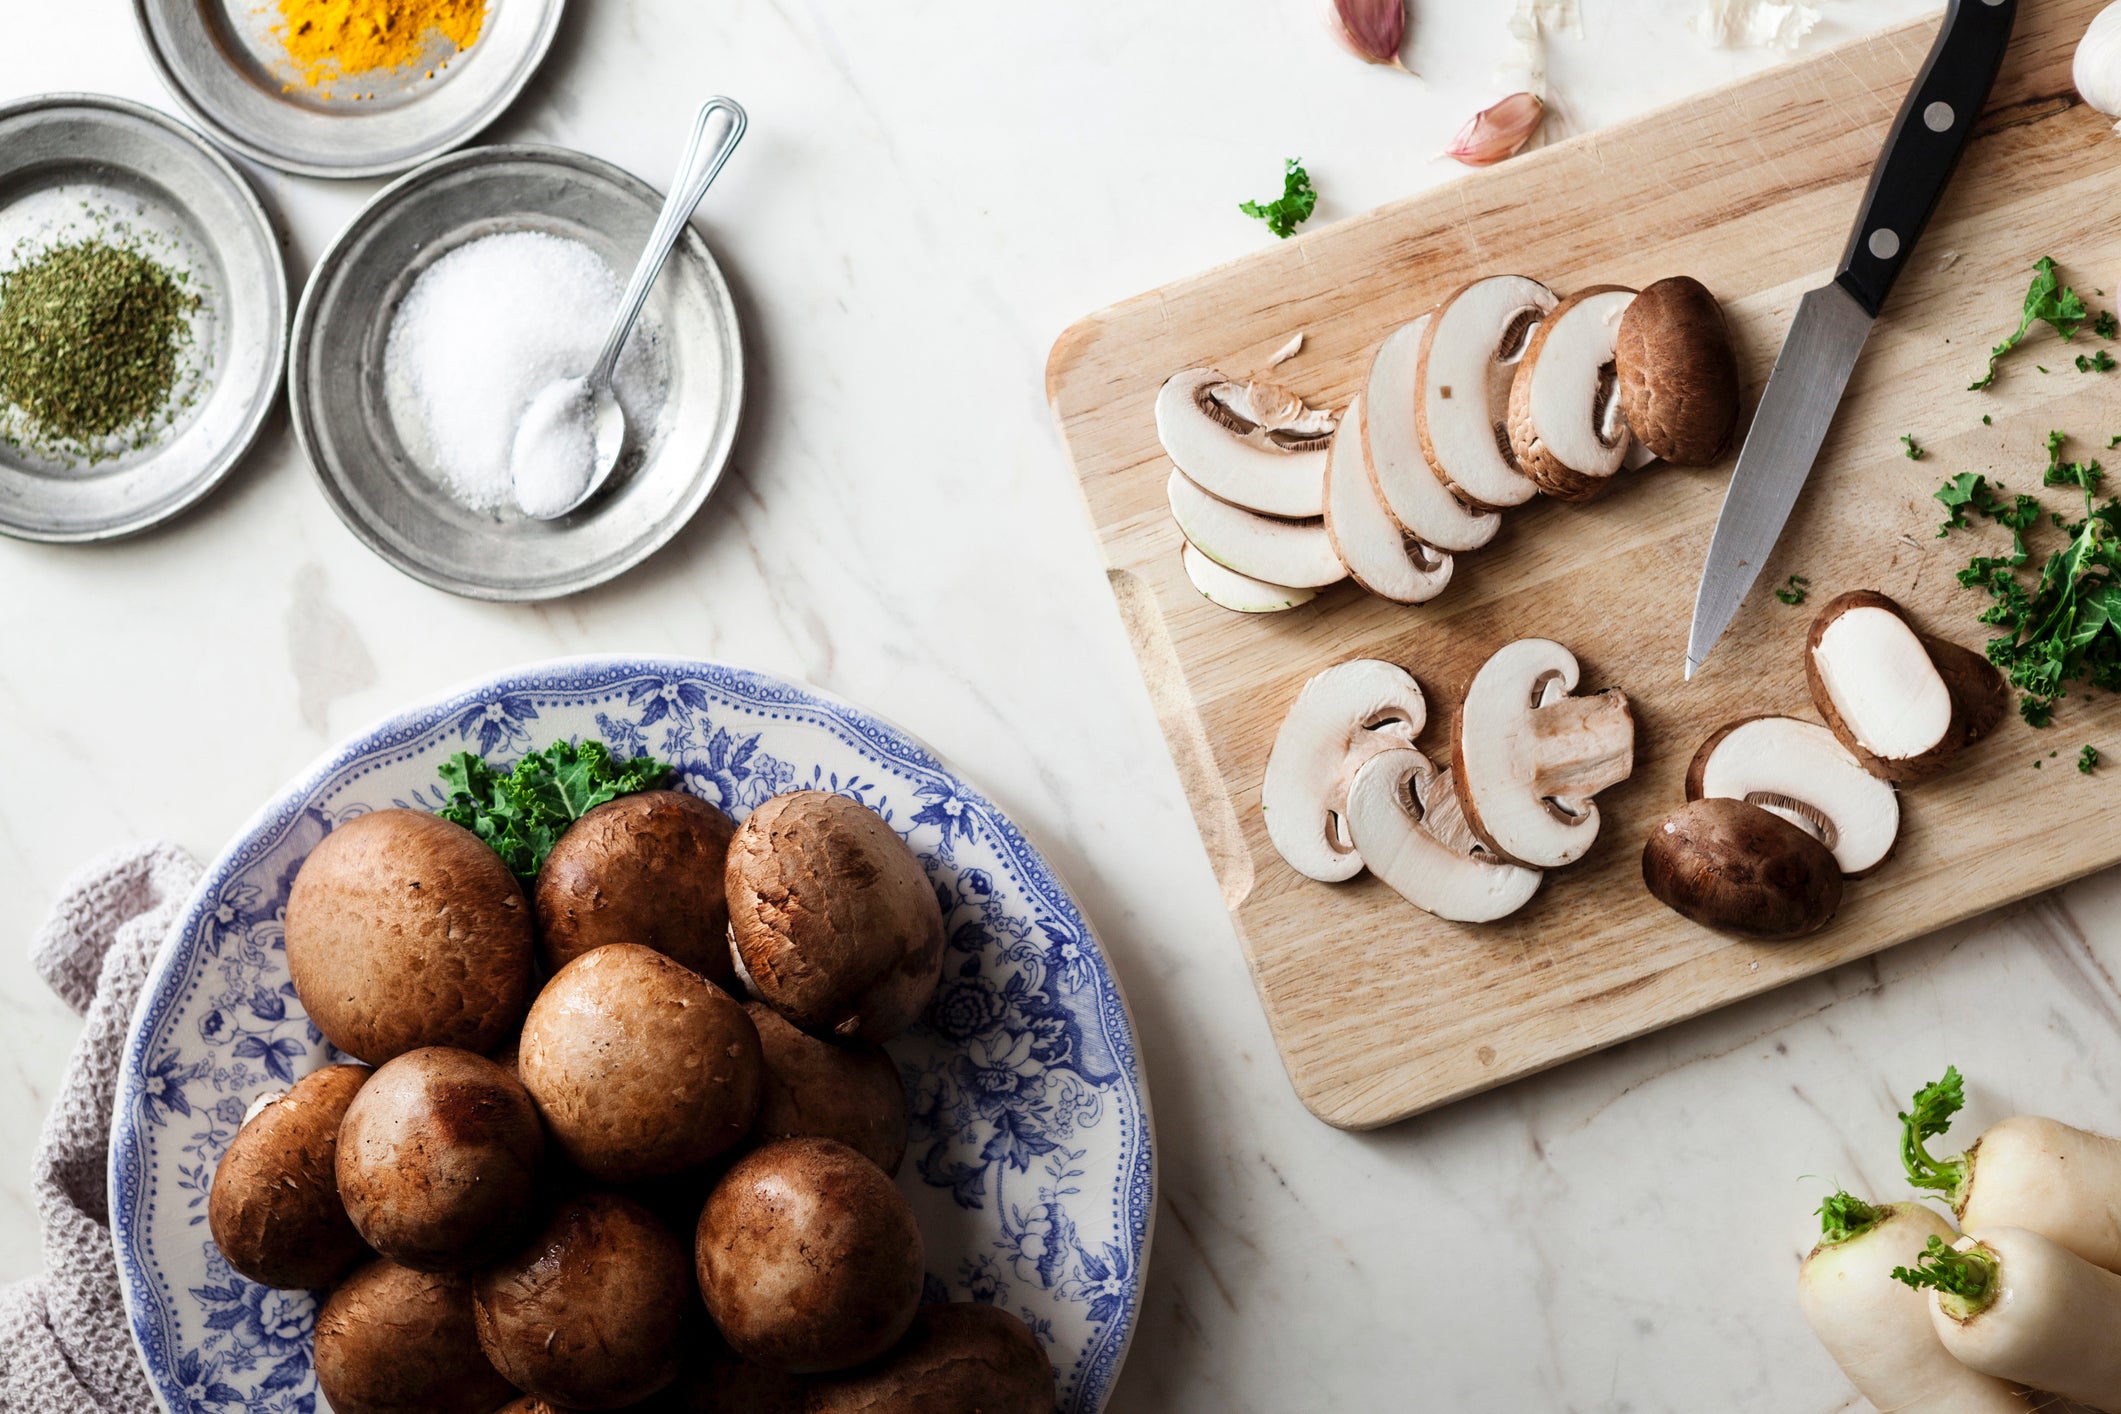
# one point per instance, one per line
(1903, 702)
(1734, 867)
(1444, 871)
(1678, 373)
(1469, 356)
(1391, 441)
(1292, 552)
(1342, 718)
(1801, 772)
(1528, 756)
(1379, 553)
(1565, 420)
(1255, 445)
(1239, 593)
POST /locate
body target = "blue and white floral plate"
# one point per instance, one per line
(1031, 1162)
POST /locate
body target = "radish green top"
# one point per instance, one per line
(1845, 1216)
(1929, 1116)
(1965, 1282)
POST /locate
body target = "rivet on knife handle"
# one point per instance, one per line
(1931, 132)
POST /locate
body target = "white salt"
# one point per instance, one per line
(484, 330)
(555, 450)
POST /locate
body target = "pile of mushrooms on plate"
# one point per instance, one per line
(1781, 811)
(628, 1187)
(1502, 392)
(1348, 789)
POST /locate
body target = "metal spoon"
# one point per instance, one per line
(541, 496)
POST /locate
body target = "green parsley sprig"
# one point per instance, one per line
(523, 812)
(2047, 301)
(1292, 208)
(1795, 590)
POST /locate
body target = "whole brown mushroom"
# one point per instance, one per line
(961, 1358)
(1736, 868)
(588, 1313)
(1677, 372)
(808, 1257)
(639, 1066)
(833, 921)
(404, 930)
(814, 1088)
(390, 1340)
(717, 1380)
(274, 1208)
(438, 1159)
(645, 869)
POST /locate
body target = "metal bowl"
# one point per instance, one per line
(230, 71)
(169, 186)
(342, 408)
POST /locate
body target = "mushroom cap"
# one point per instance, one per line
(274, 1208)
(1735, 868)
(808, 1257)
(1240, 593)
(640, 1067)
(1379, 553)
(1234, 459)
(1678, 372)
(437, 1159)
(832, 918)
(1384, 418)
(1340, 719)
(1469, 355)
(1297, 553)
(815, 1088)
(588, 1313)
(717, 1380)
(1905, 704)
(647, 869)
(390, 1340)
(964, 1357)
(1565, 426)
(1440, 871)
(1801, 772)
(404, 930)
(1527, 756)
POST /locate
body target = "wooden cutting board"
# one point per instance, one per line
(1381, 1011)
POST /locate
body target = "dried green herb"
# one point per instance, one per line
(92, 338)
(1795, 590)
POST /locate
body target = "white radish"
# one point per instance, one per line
(2039, 1174)
(2012, 1304)
(1878, 1331)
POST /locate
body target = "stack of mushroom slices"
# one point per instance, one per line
(1781, 811)
(1501, 393)
(1347, 788)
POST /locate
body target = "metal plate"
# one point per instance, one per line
(227, 66)
(163, 181)
(342, 410)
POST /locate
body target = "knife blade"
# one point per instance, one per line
(1827, 335)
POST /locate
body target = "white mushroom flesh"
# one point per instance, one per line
(1254, 445)
(1468, 359)
(1800, 771)
(1400, 846)
(1392, 446)
(1240, 593)
(1296, 553)
(1888, 692)
(263, 1103)
(1380, 555)
(1530, 756)
(1340, 719)
(1575, 392)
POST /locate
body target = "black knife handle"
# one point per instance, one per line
(1925, 144)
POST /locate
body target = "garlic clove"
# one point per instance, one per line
(1499, 131)
(2097, 67)
(1372, 30)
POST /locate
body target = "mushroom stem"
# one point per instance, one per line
(1585, 744)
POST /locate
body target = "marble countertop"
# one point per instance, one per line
(930, 193)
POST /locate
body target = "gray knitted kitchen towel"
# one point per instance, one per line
(64, 1347)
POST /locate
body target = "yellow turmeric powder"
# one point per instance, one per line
(329, 39)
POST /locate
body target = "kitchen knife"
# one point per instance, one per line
(1832, 321)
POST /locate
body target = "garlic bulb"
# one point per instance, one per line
(2097, 70)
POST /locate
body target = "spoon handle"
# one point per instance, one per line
(697, 169)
